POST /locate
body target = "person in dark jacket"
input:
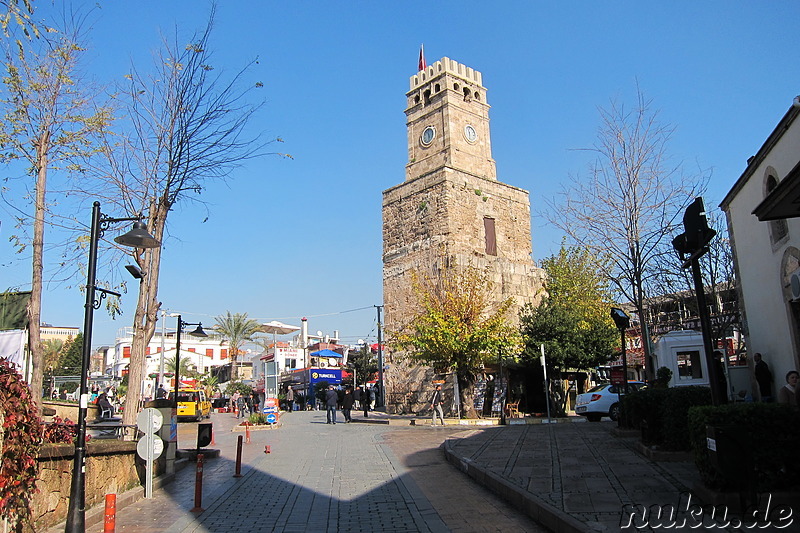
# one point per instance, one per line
(331, 399)
(763, 378)
(347, 404)
(357, 396)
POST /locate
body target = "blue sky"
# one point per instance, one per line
(302, 237)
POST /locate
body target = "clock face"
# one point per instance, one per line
(427, 135)
(470, 133)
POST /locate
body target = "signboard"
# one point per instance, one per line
(272, 418)
(331, 375)
(617, 376)
(271, 405)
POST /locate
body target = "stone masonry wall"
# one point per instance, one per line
(110, 469)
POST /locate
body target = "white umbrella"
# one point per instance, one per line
(278, 328)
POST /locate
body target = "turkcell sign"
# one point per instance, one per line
(331, 375)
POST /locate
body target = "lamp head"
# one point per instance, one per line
(621, 319)
(138, 237)
(198, 332)
(135, 271)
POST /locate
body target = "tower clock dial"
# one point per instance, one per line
(427, 135)
(470, 134)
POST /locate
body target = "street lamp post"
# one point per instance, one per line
(622, 322)
(138, 237)
(196, 333)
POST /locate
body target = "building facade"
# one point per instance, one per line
(761, 210)
(451, 209)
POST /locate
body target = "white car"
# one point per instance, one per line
(603, 400)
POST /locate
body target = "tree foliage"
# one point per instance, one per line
(458, 326)
(71, 357)
(629, 206)
(186, 124)
(237, 329)
(364, 364)
(573, 320)
(50, 121)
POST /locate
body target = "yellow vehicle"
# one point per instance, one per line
(192, 404)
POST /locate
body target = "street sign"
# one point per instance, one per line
(149, 420)
(272, 418)
(148, 442)
(617, 376)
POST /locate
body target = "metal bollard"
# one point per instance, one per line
(238, 457)
(198, 486)
(110, 517)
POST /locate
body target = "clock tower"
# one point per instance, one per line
(451, 209)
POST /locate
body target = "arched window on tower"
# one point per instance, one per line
(467, 94)
(778, 229)
(427, 95)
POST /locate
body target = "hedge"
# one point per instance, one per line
(665, 412)
(771, 433)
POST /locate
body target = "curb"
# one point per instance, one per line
(540, 511)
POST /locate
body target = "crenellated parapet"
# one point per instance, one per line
(445, 66)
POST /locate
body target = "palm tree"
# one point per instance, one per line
(236, 329)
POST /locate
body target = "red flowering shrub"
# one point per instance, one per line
(59, 431)
(20, 439)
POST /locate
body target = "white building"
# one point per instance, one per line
(761, 211)
(202, 352)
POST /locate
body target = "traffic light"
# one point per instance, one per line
(696, 233)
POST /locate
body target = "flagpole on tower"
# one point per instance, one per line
(422, 64)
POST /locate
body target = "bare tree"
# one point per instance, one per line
(49, 120)
(187, 125)
(628, 206)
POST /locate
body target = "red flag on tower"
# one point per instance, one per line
(422, 64)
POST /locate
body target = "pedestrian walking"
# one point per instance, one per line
(365, 402)
(357, 396)
(763, 377)
(235, 403)
(347, 404)
(436, 405)
(242, 404)
(331, 399)
(372, 397)
(290, 399)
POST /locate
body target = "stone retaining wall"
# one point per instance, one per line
(111, 467)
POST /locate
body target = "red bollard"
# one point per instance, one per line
(213, 442)
(267, 449)
(198, 486)
(238, 457)
(247, 432)
(110, 518)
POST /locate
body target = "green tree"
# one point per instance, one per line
(71, 358)
(237, 329)
(169, 364)
(50, 120)
(572, 321)
(364, 364)
(458, 326)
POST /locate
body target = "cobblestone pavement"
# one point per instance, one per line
(319, 477)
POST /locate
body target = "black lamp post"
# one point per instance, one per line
(198, 332)
(622, 322)
(138, 237)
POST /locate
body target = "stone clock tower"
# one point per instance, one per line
(451, 206)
